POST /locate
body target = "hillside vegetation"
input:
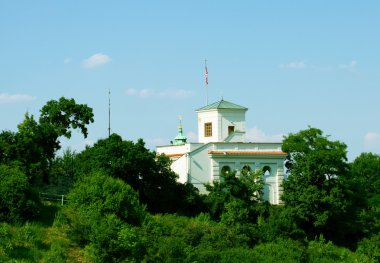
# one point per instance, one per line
(122, 203)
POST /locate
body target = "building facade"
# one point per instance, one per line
(221, 148)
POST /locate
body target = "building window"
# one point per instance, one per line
(208, 129)
(231, 129)
(266, 170)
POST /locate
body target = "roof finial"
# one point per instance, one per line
(180, 139)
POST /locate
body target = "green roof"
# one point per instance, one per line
(222, 104)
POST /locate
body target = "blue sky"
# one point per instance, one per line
(292, 63)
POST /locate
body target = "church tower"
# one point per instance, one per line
(221, 121)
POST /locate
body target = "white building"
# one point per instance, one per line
(222, 148)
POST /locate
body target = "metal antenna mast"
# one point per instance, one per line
(109, 113)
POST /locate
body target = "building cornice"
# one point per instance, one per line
(247, 153)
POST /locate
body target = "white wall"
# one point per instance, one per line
(231, 118)
(220, 120)
(200, 167)
(180, 167)
(204, 117)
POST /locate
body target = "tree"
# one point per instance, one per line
(35, 143)
(63, 172)
(365, 172)
(235, 198)
(142, 169)
(7, 147)
(18, 202)
(364, 182)
(101, 209)
(314, 191)
(58, 118)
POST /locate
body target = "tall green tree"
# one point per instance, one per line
(35, 143)
(364, 180)
(365, 172)
(313, 190)
(57, 119)
(142, 169)
(235, 199)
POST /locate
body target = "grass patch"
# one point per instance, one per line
(39, 241)
(47, 213)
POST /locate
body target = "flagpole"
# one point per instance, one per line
(206, 81)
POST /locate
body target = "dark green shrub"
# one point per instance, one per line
(18, 202)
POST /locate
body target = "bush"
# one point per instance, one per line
(99, 195)
(281, 250)
(18, 202)
(319, 250)
(58, 252)
(280, 224)
(100, 211)
(370, 248)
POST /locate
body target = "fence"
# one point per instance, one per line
(52, 197)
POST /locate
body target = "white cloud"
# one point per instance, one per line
(142, 93)
(176, 94)
(96, 60)
(11, 98)
(294, 65)
(165, 94)
(349, 66)
(372, 141)
(301, 65)
(256, 135)
(145, 93)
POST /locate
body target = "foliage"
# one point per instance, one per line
(320, 250)
(365, 175)
(100, 195)
(280, 250)
(33, 242)
(18, 200)
(235, 199)
(369, 248)
(64, 114)
(105, 221)
(314, 191)
(280, 224)
(366, 172)
(62, 173)
(170, 238)
(99, 211)
(139, 167)
(24, 242)
(35, 143)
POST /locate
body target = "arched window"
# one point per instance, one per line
(246, 170)
(225, 170)
(266, 170)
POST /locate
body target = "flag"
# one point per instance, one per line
(206, 76)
